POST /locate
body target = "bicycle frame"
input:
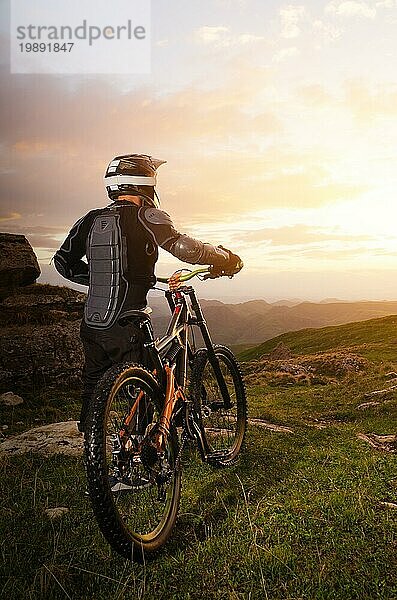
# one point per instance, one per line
(141, 417)
(164, 353)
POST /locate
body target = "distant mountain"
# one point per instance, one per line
(257, 321)
(331, 301)
(286, 302)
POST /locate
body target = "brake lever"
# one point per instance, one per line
(219, 274)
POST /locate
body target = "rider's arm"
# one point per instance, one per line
(159, 224)
(67, 260)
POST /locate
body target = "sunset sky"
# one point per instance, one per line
(279, 124)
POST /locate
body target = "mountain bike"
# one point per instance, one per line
(141, 418)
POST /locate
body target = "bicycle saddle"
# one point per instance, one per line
(132, 315)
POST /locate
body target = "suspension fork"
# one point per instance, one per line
(172, 394)
(212, 357)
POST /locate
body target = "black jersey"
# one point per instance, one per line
(121, 243)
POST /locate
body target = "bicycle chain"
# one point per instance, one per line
(184, 439)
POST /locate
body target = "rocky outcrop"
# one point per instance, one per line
(41, 304)
(39, 324)
(18, 262)
(280, 352)
(40, 355)
(311, 369)
(10, 399)
(55, 438)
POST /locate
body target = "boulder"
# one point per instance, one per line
(10, 399)
(18, 262)
(280, 352)
(23, 300)
(39, 355)
(40, 304)
(55, 438)
(56, 513)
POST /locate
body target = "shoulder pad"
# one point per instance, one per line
(154, 216)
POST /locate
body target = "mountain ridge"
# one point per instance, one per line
(254, 322)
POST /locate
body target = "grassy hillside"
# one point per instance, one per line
(305, 515)
(375, 338)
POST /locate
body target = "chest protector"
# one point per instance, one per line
(108, 286)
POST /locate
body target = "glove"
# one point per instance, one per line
(233, 265)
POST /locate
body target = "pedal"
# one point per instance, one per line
(219, 405)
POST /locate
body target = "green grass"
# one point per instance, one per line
(299, 517)
(42, 406)
(374, 339)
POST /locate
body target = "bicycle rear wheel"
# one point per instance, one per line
(223, 428)
(134, 485)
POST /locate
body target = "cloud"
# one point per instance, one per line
(291, 16)
(315, 95)
(223, 37)
(39, 236)
(209, 35)
(11, 216)
(62, 152)
(351, 8)
(328, 31)
(231, 3)
(96, 116)
(259, 182)
(298, 235)
(285, 53)
(386, 4)
(369, 103)
(163, 43)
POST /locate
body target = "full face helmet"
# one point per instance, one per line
(133, 174)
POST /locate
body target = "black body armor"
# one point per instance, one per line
(121, 244)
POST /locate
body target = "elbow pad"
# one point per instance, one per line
(79, 274)
(195, 252)
(60, 265)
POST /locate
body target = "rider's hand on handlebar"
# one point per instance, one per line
(234, 264)
(229, 269)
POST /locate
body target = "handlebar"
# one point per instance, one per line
(186, 276)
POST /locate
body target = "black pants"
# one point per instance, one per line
(104, 348)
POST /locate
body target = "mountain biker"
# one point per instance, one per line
(121, 244)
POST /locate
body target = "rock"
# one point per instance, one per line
(270, 426)
(18, 262)
(10, 399)
(364, 405)
(40, 304)
(56, 513)
(387, 443)
(39, 323)
(280, 352)
(4, 427)
(32, 300)
(388, 505)
(42, 354)
(56, 438)
(6, 378)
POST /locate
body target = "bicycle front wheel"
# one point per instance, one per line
(134, 480)
(223, 428)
